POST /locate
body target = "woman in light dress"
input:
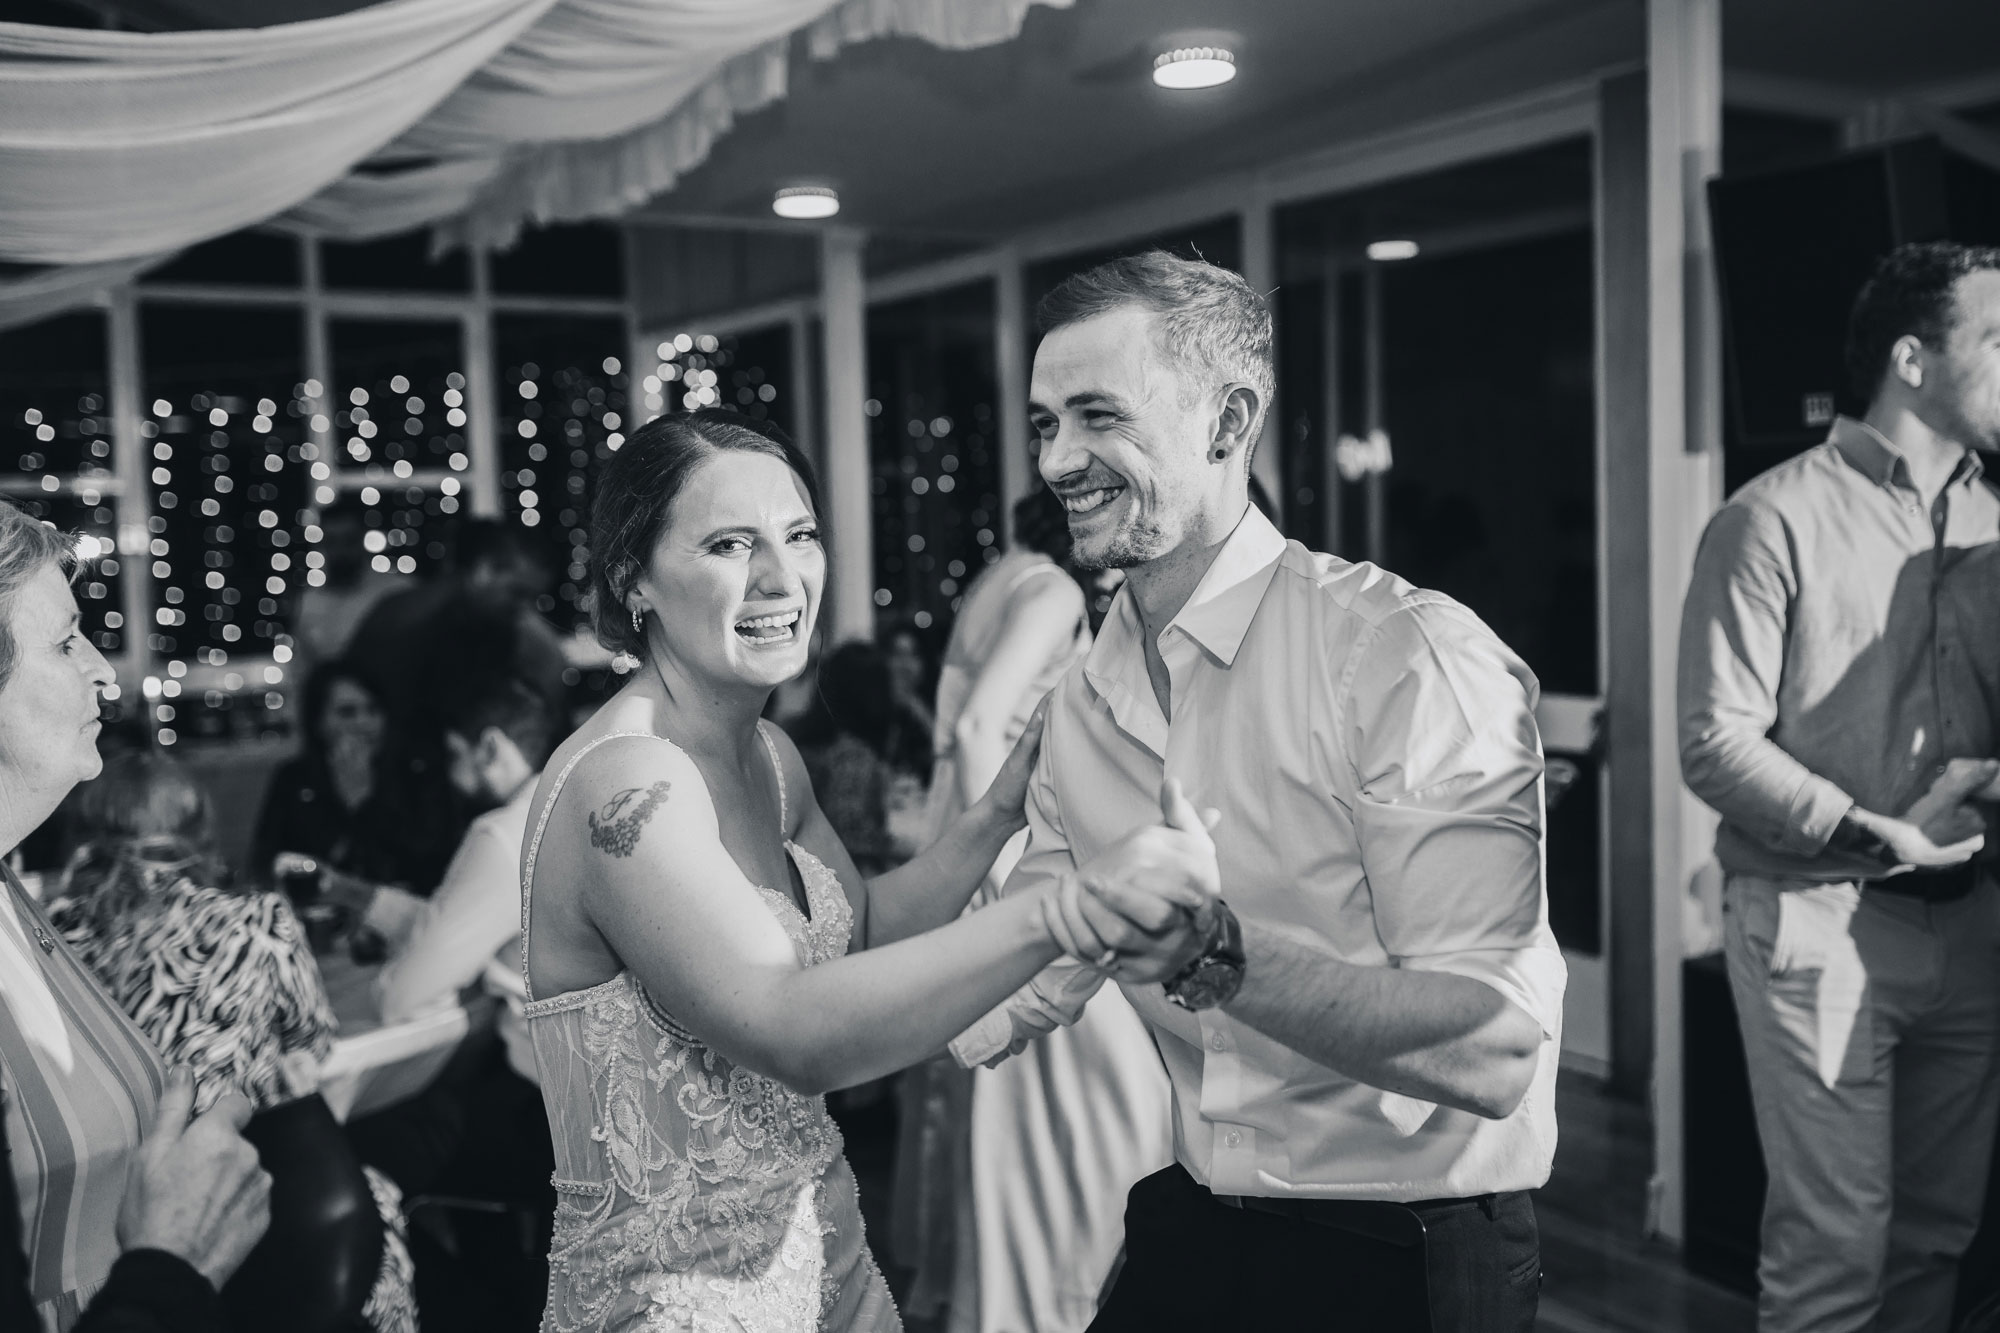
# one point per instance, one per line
(689, 916)
(1060, 1133)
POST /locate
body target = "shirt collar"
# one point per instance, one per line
(1872, 454)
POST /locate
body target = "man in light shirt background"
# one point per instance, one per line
(1840, 709)
(480, 1130)
(1362, 1034)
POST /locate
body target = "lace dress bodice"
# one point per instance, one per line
(693, 1193)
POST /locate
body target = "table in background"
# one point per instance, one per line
(372, 1065)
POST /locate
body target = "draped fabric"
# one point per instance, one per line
(472, 116)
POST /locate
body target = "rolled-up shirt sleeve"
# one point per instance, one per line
(1056, 996)
(1732, 656)
(1447, 801)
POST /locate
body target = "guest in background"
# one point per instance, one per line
(1838, 653)
(329, 612)
(482, 1132)
(858, 741)
(909, 660)
(112, 1193)
(222, 981)
(481, 615)
(1032, 1220)
(332, 802)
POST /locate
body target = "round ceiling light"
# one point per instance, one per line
(1194, 67)
(805, 201)
(1387, 252)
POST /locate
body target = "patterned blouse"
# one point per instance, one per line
(222, 982)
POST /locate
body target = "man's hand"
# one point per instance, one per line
(1945, 813)
(1140, 909)
(195, 1188)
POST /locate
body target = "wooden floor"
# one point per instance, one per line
(1601, 1274)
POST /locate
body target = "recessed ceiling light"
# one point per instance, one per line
(1385, 252)
(805, 201)
(1194, 67)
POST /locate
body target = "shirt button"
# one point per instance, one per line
(1233, 1139)
(1218, 1043)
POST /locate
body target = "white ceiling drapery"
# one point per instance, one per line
(472, 116)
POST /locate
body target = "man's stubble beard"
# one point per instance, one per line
(1135, 544)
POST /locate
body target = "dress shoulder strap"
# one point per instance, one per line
(778, 770)
(541, 827)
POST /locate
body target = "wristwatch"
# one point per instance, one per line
(1216, 973)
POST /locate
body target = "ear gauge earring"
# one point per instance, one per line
(1219, 454)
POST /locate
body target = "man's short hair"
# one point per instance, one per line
(503, 701)
(1212, 324)
(1910, 292)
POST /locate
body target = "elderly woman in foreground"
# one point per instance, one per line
(119, 1209)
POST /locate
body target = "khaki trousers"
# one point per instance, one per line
(1871, 1022)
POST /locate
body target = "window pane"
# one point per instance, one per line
(399, 263)
(399, 397)
(586, 260)
(563, 408)
(55, 397)
(247, 258)
(224, 394)
(934, 451)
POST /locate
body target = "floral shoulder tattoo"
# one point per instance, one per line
(616, 828)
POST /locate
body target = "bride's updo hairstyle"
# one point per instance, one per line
(637, 489)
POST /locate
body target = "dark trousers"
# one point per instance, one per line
(1194, 1263)
(479, 1132)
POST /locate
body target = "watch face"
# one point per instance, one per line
(1214, 982)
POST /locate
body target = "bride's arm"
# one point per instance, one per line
(673, 906)
(934, 887)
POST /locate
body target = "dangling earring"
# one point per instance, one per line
(638, 622)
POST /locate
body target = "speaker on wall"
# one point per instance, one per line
(1793, 247)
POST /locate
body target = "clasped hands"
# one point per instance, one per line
(1142, 908)
(1946, 825)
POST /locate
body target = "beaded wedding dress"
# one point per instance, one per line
(693, 1194)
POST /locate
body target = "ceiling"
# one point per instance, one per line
(1065, 119)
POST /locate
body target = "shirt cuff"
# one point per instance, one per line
(1815, 812)
(393, 914)
(991, 1038)
(165, 1286)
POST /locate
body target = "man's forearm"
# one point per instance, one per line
(1434, 1036)
(1760, 790)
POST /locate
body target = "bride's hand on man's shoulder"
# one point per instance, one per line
(1007, 799)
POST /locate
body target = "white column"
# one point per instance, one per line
(1684, 437)
(1018, 476)
(802, 409)
(850, 596)
(1260, 270)
(482, 395)
(131, 462)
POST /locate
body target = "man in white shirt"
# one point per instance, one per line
(1362, 1043)
(481, 1130)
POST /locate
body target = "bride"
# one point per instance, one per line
(690, 915)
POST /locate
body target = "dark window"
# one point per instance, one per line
(563, 409)
(399, 263)
(934, 451)
(585, 260)
(55, 398)
(243, 259)
(224, 420)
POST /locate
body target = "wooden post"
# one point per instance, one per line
(1018, 475)
(1260, 270)
(850, 596)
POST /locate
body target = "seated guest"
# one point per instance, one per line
(331, 803)
(221, 980)
(120, 1210)
(480, 1130)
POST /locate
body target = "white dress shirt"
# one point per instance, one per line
(1373, 750)
(470, 930)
